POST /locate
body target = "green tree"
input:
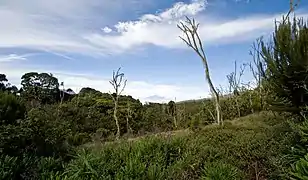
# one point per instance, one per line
(11, 109)
(42, 87)
(3, 80)
(286, 61)
(88, 90)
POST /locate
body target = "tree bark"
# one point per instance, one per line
(213, 90)
(116, 119)
(175, 123)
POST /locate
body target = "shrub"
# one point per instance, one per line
(286, 60)
(28, 167)
(8, 167)
(300, 168)
(47, 132)
(11, 109)
(228, 151)
(220, 171)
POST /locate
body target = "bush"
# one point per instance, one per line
(286, 61)
(300, 168)
(47, 132)
(28, 167)
(8, 167)
(220, 171)
(299, 153)
(12, 109)
(231, 151)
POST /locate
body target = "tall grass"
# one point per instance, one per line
(247, 148)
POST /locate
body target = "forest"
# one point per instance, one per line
(245, 131)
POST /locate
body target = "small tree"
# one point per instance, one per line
(193, 40)
(3, 80)
(234, 80)
(118, 84)
(286, 62)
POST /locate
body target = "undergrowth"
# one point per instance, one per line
(248, 148)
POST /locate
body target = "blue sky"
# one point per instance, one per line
(82, 41)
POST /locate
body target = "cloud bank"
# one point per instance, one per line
(42, 25)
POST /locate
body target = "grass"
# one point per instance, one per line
(251, 147)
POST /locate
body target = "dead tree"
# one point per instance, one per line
(234, 80)
(257, 68)
(118, 84)
(192, 39)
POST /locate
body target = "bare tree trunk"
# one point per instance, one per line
(175, 123)
(175, 114)
(128, 116)
(115, 111)
(214, 92)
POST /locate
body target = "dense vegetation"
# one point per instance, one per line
(49, 132)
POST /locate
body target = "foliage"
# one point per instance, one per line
(3, 80)
(299, 153)
(220, 171)
(88, 90)
(257, 139)
(28, 167)
(48, 133)
(286, 61)
(11, 109)
(300, 168)
(42, 87)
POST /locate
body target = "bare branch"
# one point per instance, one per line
(292, 8)
(124, 85)
(111, 96)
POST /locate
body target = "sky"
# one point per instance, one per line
(81, 42)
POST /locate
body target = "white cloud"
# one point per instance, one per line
(14, 57)
(107, 30)
(55, 25)
(161, 29)
(138, 89)
(71, 26)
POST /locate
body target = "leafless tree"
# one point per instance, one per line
(193, 40)
(257, 67)
(234, 80)
(118, 84)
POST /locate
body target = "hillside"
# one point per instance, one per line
(251, 147)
